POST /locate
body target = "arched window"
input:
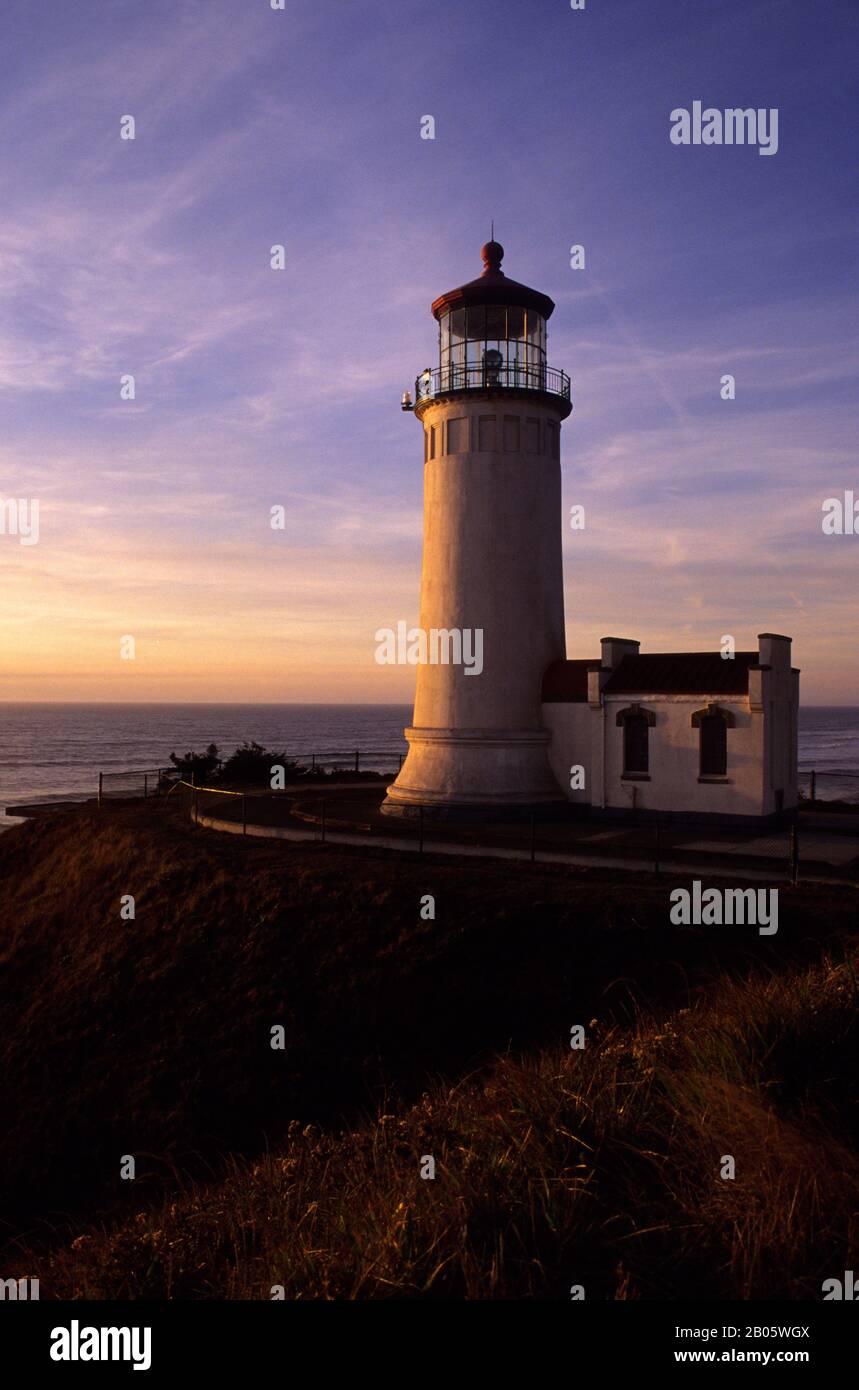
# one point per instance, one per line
(636, 723)
(714, 746)
(712, 724)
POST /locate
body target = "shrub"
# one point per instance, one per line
(201, 765)
(252, 763)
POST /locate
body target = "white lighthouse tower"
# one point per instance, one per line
(492, 578)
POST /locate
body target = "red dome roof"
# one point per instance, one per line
(493, 287)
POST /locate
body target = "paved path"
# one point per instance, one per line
(584, 861)
(830, 849)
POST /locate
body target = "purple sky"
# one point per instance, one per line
(257, 387)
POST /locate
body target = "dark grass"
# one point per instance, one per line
(554, 1167)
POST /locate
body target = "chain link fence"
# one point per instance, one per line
(780, 855)
(817, 843)
(123, 786)
(828, 784)
(152, 781)
(379, 760)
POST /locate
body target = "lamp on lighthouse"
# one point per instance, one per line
(493, 361)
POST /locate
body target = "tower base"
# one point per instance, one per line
(478, 773)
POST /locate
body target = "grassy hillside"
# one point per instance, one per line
(404, 1038)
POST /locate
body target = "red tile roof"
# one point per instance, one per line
(655, 673)
(682, 673)
(566, 682)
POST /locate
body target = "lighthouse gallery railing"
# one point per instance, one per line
(480, 376)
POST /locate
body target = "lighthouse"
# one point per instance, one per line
(492, 578)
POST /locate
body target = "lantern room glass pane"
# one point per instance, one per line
(536, 329)
(496, 323)
(515, 323)
(477, 322)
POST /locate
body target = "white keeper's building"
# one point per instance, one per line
(676, 734)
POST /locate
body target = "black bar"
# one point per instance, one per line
(214, 1338)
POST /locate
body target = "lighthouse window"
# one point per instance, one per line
(486, 434)
(511, 434)
(532, 436)
(457, 435)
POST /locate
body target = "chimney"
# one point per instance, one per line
(774, 651)
(614, 649)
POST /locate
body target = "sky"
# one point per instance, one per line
(257, 388)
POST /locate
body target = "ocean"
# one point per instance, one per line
(48, 752)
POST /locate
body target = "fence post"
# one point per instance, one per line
(244, 814)
(421, 829)
(313, 762)
(145, 785)
(100, 776)
(793, 859)
(357, 758)
(813, 784)
(533, 829)
(657, 849)
(323, 820)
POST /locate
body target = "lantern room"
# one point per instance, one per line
(492, 336)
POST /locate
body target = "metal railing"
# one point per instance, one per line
(359, 760)
(481, 376)
(828, 784)
(155, 780)
(658, 848)
(148, 781)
